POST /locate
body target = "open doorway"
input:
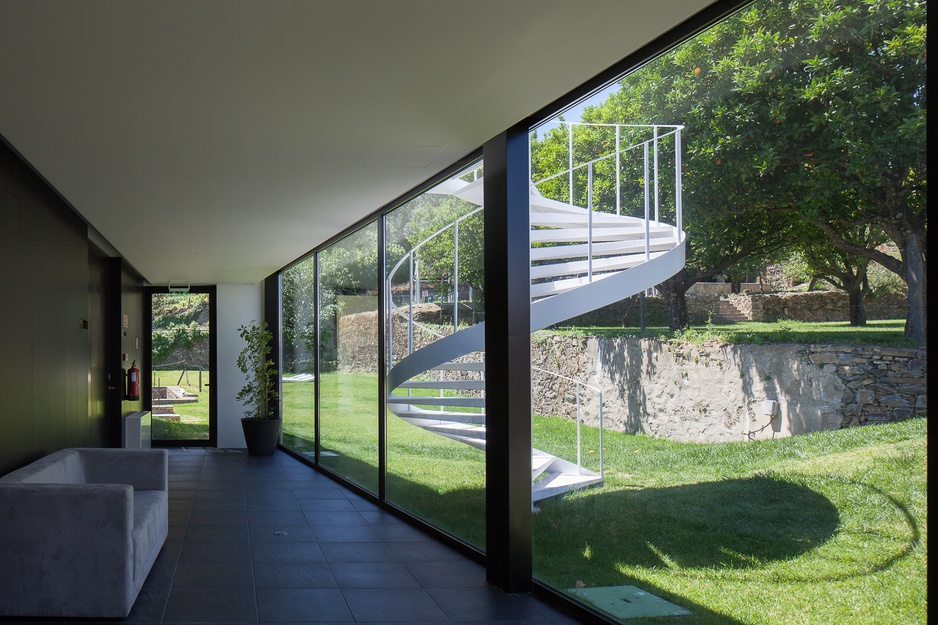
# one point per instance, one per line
(182, 366)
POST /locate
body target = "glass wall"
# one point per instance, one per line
(678, 219)
(348, 357)
(436, 419)
(682, 220)
(298, 354)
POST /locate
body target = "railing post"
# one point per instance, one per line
(456, 277)
(657, 195)
(579, 442)
(589, 221)
(410, 309)
(678, 193)
(618, 167)
(570, 161)
(647, 207)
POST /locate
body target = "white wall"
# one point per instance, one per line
(236, 305)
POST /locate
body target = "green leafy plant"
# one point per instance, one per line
(259, 394)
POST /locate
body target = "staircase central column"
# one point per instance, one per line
(508, 361)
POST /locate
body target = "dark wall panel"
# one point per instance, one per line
(44, 352)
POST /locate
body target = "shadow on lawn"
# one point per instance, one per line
(461, 513)
(730, 524)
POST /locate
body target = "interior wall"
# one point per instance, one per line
(236, 305)
(44, 349)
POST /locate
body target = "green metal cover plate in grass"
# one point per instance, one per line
(627, 602)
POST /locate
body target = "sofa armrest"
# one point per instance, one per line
(63, 544)
(144, 469)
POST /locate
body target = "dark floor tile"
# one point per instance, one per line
(373, 575)
(187, 484)
(227, 576)
(423, 551)
(333, 517)
(180, 505)
(218, 517)
(358, 552)
(403, 605)
(217, 552)
(319, 492)
(276, 517)
(552, 614)
(272, 552)
(399, 533)
(483, 604)
(236, 494)
(448, 574)
(217, 533)
(299, 605)
(294, 575)
(346, 534)
(210, 484)
(326, 505)
(149, 606)
(281, 533)
(218, 505)
(379, 517)
(276, 503)
(176, 533)
(210, 606)
(181, 493)
(161, 574)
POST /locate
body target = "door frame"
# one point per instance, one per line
(146, 386)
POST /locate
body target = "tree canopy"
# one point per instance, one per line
(799, 114)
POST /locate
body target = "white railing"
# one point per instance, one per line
(411, 258)
(650, 148)
(579, 415)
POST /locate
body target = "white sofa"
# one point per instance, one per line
(80, 530)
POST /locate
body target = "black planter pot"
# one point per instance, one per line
(261, 435)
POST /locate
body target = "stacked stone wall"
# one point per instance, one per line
(697, 393)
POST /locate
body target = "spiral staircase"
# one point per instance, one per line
(581, 260)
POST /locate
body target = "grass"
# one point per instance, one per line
(887, 333)
(437, 479)
(193, 424)
(826, 527)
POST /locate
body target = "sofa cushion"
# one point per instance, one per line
(62, 467)
(149, 528)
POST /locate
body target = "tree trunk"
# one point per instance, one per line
(856, 297)
(675, 291)
(915, 278)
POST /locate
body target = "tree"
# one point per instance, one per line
(847, 272)
(791, 109)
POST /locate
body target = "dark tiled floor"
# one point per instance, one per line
(269, 540)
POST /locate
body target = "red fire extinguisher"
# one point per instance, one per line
(133, 382)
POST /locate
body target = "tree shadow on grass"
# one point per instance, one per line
(730, 524)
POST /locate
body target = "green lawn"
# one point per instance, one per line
(822, 528)
(193, 424)
(884, 333)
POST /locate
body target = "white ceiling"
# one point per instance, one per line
(217, 140)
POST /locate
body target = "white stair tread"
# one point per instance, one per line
(614, 263)
(559, 483)
(461, 385)
(605, 248)
(429, 400)
(579, 235)
(544, 289)
(439, 416)
(460, 366)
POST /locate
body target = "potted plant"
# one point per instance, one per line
(261, 423)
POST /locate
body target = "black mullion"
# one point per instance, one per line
(507, 361)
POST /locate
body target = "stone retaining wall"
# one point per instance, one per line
(699, 393)
(712, 392)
